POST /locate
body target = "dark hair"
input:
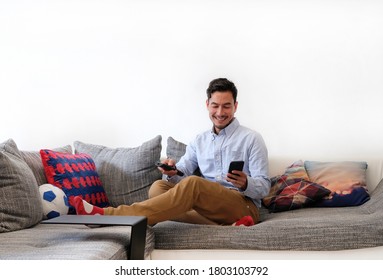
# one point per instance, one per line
(222, 84)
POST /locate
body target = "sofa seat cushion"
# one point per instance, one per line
(316, 229)
(69, 242)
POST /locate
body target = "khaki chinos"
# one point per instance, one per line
(193, 199)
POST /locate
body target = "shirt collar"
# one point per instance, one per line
(228, 130)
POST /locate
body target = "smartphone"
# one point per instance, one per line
(236, 165)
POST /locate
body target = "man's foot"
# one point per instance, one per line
(84, 208)
(244, 221)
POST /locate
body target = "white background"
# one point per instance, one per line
(120, 72)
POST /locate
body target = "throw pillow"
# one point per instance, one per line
(76, 175)
(294, 194)
(297, 170)
(293, 190)
(175, 150)
(346, 180)
(33, 159)
(294, 171)
(127, 173)
(20, 203)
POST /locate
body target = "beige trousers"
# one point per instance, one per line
(193, 200)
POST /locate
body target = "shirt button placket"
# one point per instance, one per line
(218, 158)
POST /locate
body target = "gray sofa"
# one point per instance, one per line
(127, 173)
(23, 234)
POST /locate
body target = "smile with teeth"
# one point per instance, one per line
(220, 118)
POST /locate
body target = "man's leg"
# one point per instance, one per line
(161, 186)
(209, 199)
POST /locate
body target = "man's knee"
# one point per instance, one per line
(159, 187)
(191, 180)
(192, 183)
(156, 188)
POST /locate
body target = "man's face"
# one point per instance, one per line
(221, 109)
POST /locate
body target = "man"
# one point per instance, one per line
(217, 197)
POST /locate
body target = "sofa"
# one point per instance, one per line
(124, 175)
(24, 235)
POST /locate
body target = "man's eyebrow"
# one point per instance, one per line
(224, 104)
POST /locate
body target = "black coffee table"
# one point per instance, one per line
(138, 233)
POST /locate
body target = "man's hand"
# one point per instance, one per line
(169, 173)
(238, 179)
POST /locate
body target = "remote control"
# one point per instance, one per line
(168, 168)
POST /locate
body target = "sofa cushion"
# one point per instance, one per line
(127, 173)
(175, 150)
(76, 175)
(294, 194)
(346, 180)
(70, 242)
(293, 190)
(20, 202)
(33, 159)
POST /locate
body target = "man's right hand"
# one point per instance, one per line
(169, 162)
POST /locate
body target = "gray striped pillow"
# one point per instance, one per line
(20, 202)
(126, 173)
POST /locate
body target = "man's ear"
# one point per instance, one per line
(207, 102)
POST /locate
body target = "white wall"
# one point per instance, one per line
(117, 73)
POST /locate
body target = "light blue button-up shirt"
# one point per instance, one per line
(213, 153)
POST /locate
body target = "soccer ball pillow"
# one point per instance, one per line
(55, 202)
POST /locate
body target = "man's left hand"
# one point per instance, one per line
(238, 179)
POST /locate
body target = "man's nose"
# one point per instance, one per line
(219, 110)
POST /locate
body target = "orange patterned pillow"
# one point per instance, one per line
(346, 180)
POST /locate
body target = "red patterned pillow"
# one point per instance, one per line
(75, 174)
(293, 194)
(293, 190)
(294, 171)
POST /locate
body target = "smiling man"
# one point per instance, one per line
(218, 196)
(221, 106)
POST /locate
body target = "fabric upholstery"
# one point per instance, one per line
(70, 242)
(126, 173)
(20, 202)
(175, 150)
